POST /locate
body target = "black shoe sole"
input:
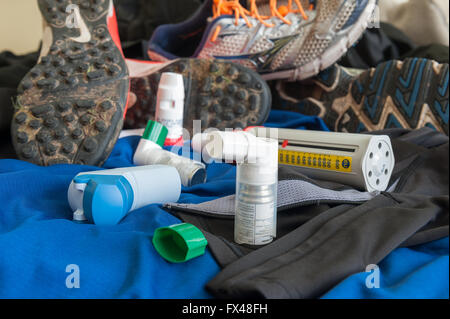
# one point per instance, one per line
(71, 105)
(409, 94)
(219, 94)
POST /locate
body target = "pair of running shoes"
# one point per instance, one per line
(72, 106)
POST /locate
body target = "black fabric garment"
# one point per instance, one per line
(378, 45)
(137, 19)
(319, 245)
(437, 52)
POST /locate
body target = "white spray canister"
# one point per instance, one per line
(150, 152)
(105, 197)
(170, 106)
(256, 183)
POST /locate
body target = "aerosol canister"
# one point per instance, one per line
(150, 152)
(256, 183)
(105, 197)
(170, 106)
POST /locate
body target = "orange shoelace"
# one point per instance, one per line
(233, 7)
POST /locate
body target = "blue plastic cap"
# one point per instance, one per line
(107, 198)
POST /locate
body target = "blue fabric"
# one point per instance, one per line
(419, 272)
(38, 240)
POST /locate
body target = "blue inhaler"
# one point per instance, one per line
(106, 197)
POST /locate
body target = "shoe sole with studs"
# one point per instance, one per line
(219, 94)
(70, 106)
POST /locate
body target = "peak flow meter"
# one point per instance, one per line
(361, 160)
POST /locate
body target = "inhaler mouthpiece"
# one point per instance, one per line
(242, 148)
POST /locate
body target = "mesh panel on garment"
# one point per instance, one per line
(290, 192)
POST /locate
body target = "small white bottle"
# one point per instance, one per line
(256, 183)
(170, 106)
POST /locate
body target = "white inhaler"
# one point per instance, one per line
(256, 183)
(170, 106)
(106, 197)
(150, 152)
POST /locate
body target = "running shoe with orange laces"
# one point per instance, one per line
(280, 39)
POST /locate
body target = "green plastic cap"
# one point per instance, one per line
(155, 132)
(179, 243)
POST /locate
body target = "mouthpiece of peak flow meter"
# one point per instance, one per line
(360, 160)
(105, 197)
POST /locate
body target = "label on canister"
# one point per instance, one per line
(174, 127)
(254, 223)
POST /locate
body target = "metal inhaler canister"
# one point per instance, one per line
(106, 197)
(170, 106)
(150, 152)
(256, 183)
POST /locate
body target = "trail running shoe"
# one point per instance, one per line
(409, 94)
(219, 94)
(280, 39)
(71, 105)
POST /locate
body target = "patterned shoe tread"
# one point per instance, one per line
(219, 94)
(70, 106)
(409, 94)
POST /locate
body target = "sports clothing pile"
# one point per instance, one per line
(325, 65)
